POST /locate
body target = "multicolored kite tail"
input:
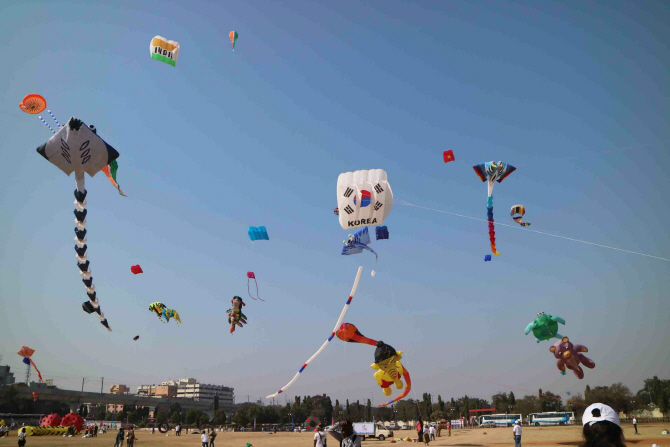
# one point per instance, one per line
(408, 388)
(323, 346)
(492, 230)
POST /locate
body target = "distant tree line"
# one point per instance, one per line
(655, 393)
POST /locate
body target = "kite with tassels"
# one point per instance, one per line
(490, 172)
(27, 354)
(77, 148)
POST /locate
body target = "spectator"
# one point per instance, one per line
(119, 438)
(419, 429)
(346, 437)
(212, 436)
(204, 438)
(426, 435)
(635, 425)
(601, 427)
(516, 431)
(22, 437)
(320, 437)
(431, 430)
(95, 430)
(130, 437)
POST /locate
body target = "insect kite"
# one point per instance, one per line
(490, 172)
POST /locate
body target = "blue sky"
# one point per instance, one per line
(574, 95)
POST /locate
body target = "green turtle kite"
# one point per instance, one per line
(545, 327)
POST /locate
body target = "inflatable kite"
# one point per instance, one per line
(162, 311)
(136, 269)
(235, 315)
(77, 148)
(164, 50)
(258, 234)
(569, 355)
(233, 38)
(27, 354)
(358, 242)
(545, 327)
(387, 362)
(448, 156)
(382, 233)
(33, 104)
(250, 276)
(491, 172)
(364, 198)
(312, 421)
(487, 258)
(517, 213)
(332, 334)
(110, 171)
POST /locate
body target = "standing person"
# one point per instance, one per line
(419, 429)
(22, 437)
(95, 431)
(517, 433)
(212, 436)
(449, 427)
(431, 430)
(426, 435)
(346, 437)
(153, 429)
(635, 425)
(320, 437)
(177, 430)
(130, 438)
(119, 438)
(204, 439)
(601, 427)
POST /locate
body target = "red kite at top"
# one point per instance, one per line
(448, 156)
(136, 269)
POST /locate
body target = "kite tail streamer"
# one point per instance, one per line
(47, 124)
(110, 171)
(38, 371)
(492, 231)
(408, 388)
(249, 291)
(80, 212)
(323, 346)
(54, 118)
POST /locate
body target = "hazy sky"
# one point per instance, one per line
(574, 95)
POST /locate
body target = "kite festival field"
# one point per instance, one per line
(535, 436)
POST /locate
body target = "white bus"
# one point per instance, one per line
(504, 420)
(552, 418)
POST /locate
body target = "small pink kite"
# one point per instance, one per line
(251, 275)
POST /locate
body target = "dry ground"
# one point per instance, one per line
(532, 436)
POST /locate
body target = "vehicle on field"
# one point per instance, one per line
(501, 420)
(372, 430)
(552, 418)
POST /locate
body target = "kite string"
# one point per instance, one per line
(402, 202)
(323, 346)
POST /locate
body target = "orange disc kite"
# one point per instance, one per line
(33, 104)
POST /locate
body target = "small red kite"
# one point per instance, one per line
(136, 269)
(448, 156)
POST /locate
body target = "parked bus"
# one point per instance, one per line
(552, 418)
(500, 420)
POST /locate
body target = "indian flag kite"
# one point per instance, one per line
(164, 50)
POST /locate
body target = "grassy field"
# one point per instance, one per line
(535, 436)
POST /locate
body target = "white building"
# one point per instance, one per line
(192, 389)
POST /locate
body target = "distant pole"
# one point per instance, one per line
(82, 384)
(102, 383)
